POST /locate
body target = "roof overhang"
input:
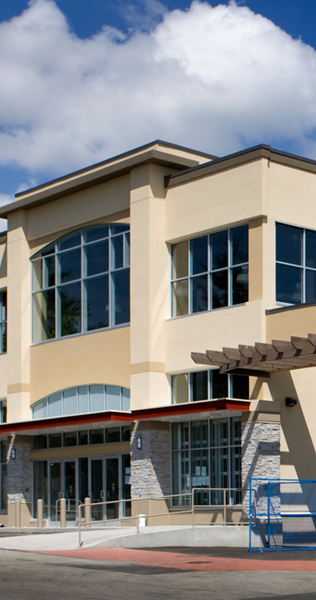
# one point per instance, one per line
(262, 359)
(157, 152)
(115, 418)
(89, 421)
(168, 413)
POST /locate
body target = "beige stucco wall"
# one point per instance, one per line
(102, 357)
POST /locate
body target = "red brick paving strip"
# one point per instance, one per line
(189, 562)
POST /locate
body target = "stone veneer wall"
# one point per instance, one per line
(260, 454)
(19, 478)
(150, 466)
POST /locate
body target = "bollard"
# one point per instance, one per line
(63, 522)
(18, 513)
(87, 511)
(39, 513)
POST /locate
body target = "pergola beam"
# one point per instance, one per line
(262, 359)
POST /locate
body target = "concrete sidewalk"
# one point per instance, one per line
(114, 537)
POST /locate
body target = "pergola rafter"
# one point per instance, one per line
(262, 359)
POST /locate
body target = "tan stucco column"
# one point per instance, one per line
(150, 276)
(19, 319)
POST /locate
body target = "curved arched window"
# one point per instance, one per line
(81, 283)
(83, 399)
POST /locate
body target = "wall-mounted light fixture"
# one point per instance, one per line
(13, 454)
(139, 443)
(290, 402)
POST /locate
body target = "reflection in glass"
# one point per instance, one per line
(199, 293)
(289, 244)
(97, 294)
(310, 286)
(180, 298)
(199, 434)
(117, 252)
(219, 282)
(70, 307)
(180, 388)
(96, 233)
(40, 486)
(121, 284)
(97, 258)
(310, 249)
(288, 284)
(219, 244)
(199, 386)
(180, 260)
(69, 265)
(219, 384)
(181, 477)
(49, 271)
(70, 242)
(199, 250)
(70, 401)
(44, 315)
(180, 436)
(240, 285)
(239, 244)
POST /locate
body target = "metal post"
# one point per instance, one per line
(192, 504)
(269, 525)
(225, 512)
(63, 522)
(250, 514)
(39, 513)
(79, 525)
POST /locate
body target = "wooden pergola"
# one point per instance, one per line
(262, 359)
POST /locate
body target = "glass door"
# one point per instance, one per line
(55, 490)
(70, 489)
(96, 493)
(112, 488)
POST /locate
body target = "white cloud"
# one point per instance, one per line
(216, 79)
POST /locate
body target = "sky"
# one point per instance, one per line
(84, 80)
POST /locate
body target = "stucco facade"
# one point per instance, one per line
(162, 196)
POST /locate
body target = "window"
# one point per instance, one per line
(207, 454)
(295, 264)
(81, 283)
(210, 272)
(3, 474)
(84, 437)
(207, 385)
(3, 322)
(83, 399)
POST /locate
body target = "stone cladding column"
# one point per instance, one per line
(150, 466)
(260, 454)
(19, 478)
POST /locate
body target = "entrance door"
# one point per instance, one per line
(97, 488)
(70, 489)
(55, 490)
(112, 487)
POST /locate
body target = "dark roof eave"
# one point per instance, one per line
(128, 417)
(238, 159)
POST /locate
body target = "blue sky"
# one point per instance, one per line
(83, 80)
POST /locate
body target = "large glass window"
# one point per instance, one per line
(207, 454)
(3, 322)
(83, 399)
(210, 272)
(3, 474)
(295, 264)
(207, 385)
(81, 283)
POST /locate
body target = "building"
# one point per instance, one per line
(110, 278)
